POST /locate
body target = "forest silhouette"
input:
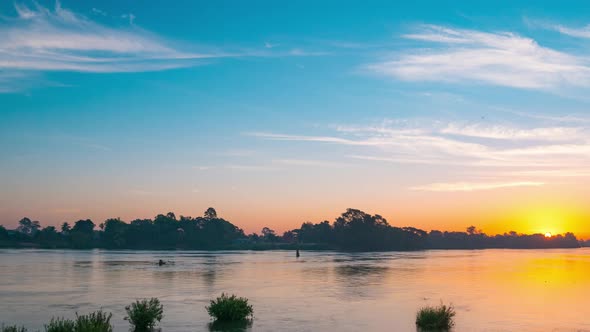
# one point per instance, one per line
(353, 230)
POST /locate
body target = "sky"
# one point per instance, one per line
(433, 114)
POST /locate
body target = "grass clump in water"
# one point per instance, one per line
(98, 321)
(60, 325)
(12, 328)
(144, 314)
(435, 318)
(230, 308)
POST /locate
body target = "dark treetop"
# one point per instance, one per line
(353, 230)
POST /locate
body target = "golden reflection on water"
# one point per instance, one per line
(492, 290)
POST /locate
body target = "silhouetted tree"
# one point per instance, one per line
(65, 227)
(114, 233)
(210, 213)
(269, 235)
(353, 230)
(84, 226)
(82, 234)
(3, 233)
(357, 230)
(166, 227)
(315, 233)
(28, 227)
(48, 237)
(289, 237)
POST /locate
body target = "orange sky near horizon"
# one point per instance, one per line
(524, 210)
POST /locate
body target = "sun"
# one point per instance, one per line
(548, 235)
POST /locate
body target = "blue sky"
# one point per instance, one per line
(433, 114)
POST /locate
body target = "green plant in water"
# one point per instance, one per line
(60, 325)
(435, 318)
(144, 314)
(229, 308)
(12, 328)
(98, 321)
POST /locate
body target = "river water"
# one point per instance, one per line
(491, 290)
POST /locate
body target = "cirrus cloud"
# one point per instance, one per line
(40, 39)
(474, 186)
(497, 58)
(530, 155)
(59, 39)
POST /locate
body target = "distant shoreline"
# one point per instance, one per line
(289, 247)
(353, 231)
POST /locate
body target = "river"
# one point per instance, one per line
(491, 290)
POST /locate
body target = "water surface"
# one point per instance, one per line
(492, 290)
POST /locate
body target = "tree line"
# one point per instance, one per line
(353, 230)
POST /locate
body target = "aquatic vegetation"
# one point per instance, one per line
(230, 308)
(435, 318)
(98, 321)
(235, 326)
(12, 328)
(144, 314)
(60, 325)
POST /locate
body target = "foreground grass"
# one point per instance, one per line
(143, 315)
(229, 313)
(60, 325)
(435, 318)
(230, 308)
(12, 328)
(98, 321)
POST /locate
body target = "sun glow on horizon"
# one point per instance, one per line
(549, 220)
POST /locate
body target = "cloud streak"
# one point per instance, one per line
(473, 186)
(583, 32)
(59, 39)
(500, 58)
(457, 143)
(527, 154)
(40, 39)
(308, 163)
(510, 133)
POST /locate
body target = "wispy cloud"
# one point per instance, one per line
(491, 147)
(129, 17)
(41, 39)
(309, 163)
(473, 186)
(59, 39)
(498, 58)
(304, 138)
(580, 32)
(511, 133)
(239, 167)
(458, 143)
(99, 12)
(270, 45)
(551, 173)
